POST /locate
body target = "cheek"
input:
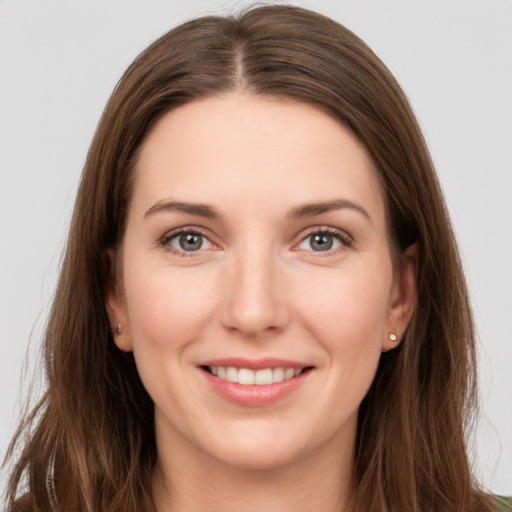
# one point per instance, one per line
(168, 306)
(347, 310)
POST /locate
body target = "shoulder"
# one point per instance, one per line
(503, 504)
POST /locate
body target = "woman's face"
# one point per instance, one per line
(256, 250)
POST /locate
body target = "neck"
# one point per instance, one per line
(317, 481)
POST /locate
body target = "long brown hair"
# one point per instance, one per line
(89, 444)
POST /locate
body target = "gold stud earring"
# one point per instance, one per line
(393, 337)
(119, 331)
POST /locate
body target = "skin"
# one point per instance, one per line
(257, 288)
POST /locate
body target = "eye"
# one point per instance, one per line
(324, 241)
(187, 242)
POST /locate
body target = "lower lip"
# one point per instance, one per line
(255, 395)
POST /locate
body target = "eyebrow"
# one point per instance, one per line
(202, 210)
(312, 209)
(298, 212)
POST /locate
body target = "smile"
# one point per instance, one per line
(248, 377)
(255, 382)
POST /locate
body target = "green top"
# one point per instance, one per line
(503, 504)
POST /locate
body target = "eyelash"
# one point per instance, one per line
(346, 240)
(164, 241)
(341, 236)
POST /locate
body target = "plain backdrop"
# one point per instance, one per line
(59, 61)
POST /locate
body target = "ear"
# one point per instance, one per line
(402, 298)
(115, 303)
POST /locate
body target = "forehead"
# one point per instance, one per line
(269, 151)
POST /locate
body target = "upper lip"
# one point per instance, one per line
(254, 364)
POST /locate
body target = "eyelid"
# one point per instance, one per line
(170, 235)
(341, 235)
(346, 240)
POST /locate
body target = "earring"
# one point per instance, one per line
(393, 337)
(119, 331)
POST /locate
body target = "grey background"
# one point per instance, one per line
(59, 61)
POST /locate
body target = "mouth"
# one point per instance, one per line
(250, 377)
(255, 382)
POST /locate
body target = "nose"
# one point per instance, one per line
(255, 296)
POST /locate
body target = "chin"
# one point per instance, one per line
(256, 458)
(262, 451)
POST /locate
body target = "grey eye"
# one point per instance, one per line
(191, 242)
(187, 242)
(321, 242)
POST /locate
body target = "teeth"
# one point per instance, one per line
(249, 377)
(277, 374)
(289, 373)
(232, 374)
(245, 376)
(263, 377)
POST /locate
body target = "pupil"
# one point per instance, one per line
(191, 242)
(321, 242)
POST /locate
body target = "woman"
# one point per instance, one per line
(261, 303)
